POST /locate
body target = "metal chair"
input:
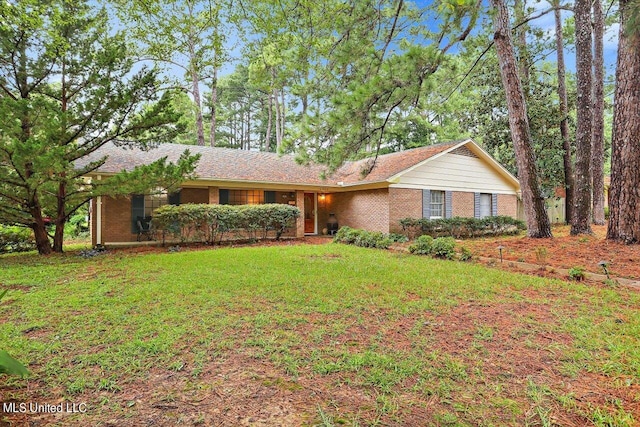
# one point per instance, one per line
(145, 228)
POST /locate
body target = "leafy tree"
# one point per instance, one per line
(66, 89)
(188, 35)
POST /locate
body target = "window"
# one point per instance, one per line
(154, 201)
(485, 205)
(143, 206)
(437, 204)
(241, 197)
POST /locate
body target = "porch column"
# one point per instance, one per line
(214, 196)
(300, 220)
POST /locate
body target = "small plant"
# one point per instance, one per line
(422, 245)
(398, 238)
(444, 247)
(541, 255)
(465, 254)
(577, 274)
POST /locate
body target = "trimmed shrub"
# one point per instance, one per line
(398, 238)
(422, 245)
(16, 239)
(444, 247)
(209, 223)
(362, 238)
(459, 227)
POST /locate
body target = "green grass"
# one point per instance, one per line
(415, 335)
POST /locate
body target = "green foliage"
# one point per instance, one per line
(422, 245)
(209, 223)
(16, 239)
(444, 247)
(362, 238)
(9, 365)
(460, 227)
(465, 254)
(577, 273)
(398, 238)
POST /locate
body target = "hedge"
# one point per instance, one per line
(363, 238)
(209, 223)
(460, 227)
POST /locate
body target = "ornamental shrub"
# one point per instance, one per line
(362, 238)
(444, 247)
(209, 223)
(422, 245)
(459, 227)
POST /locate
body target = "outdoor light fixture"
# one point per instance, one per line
(605, 267)
(500, 248)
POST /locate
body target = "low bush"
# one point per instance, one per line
(459, 227)
(398, 238)
(422, 245)
(209, 223)
(16, 239)
(444, 247)
(577, 274)
(362, 238)
(465, 254)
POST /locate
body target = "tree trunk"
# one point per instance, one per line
(597, 143)
(214, 103)
(278, 119)
(269, 120)
(537, 220)
(624, 204)
(564, 119)
(581, 221)
(524, 61)
(58, 236)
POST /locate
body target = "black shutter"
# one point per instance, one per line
(174, 198)
(269, 196)
(426, 204)
(223, 197)
(137, 210)
(476, 205)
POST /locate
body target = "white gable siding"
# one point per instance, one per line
(458, 173)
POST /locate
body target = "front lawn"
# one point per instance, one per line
(314, 335)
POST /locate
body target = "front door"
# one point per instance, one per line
(309, 213)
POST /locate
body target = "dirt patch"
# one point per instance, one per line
(562, 251)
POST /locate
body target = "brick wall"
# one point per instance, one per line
(508, 205)
(194, 195)
(462, 204)
(403, 203)
(368, 209)
(116, 220)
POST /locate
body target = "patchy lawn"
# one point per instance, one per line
(564, 251)
(313, 335)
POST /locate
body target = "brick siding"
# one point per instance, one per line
(116, 220)
(403, 203)
(462, 204)
(508, 205)
(368, 209)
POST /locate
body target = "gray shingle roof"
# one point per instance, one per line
(254, 166)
